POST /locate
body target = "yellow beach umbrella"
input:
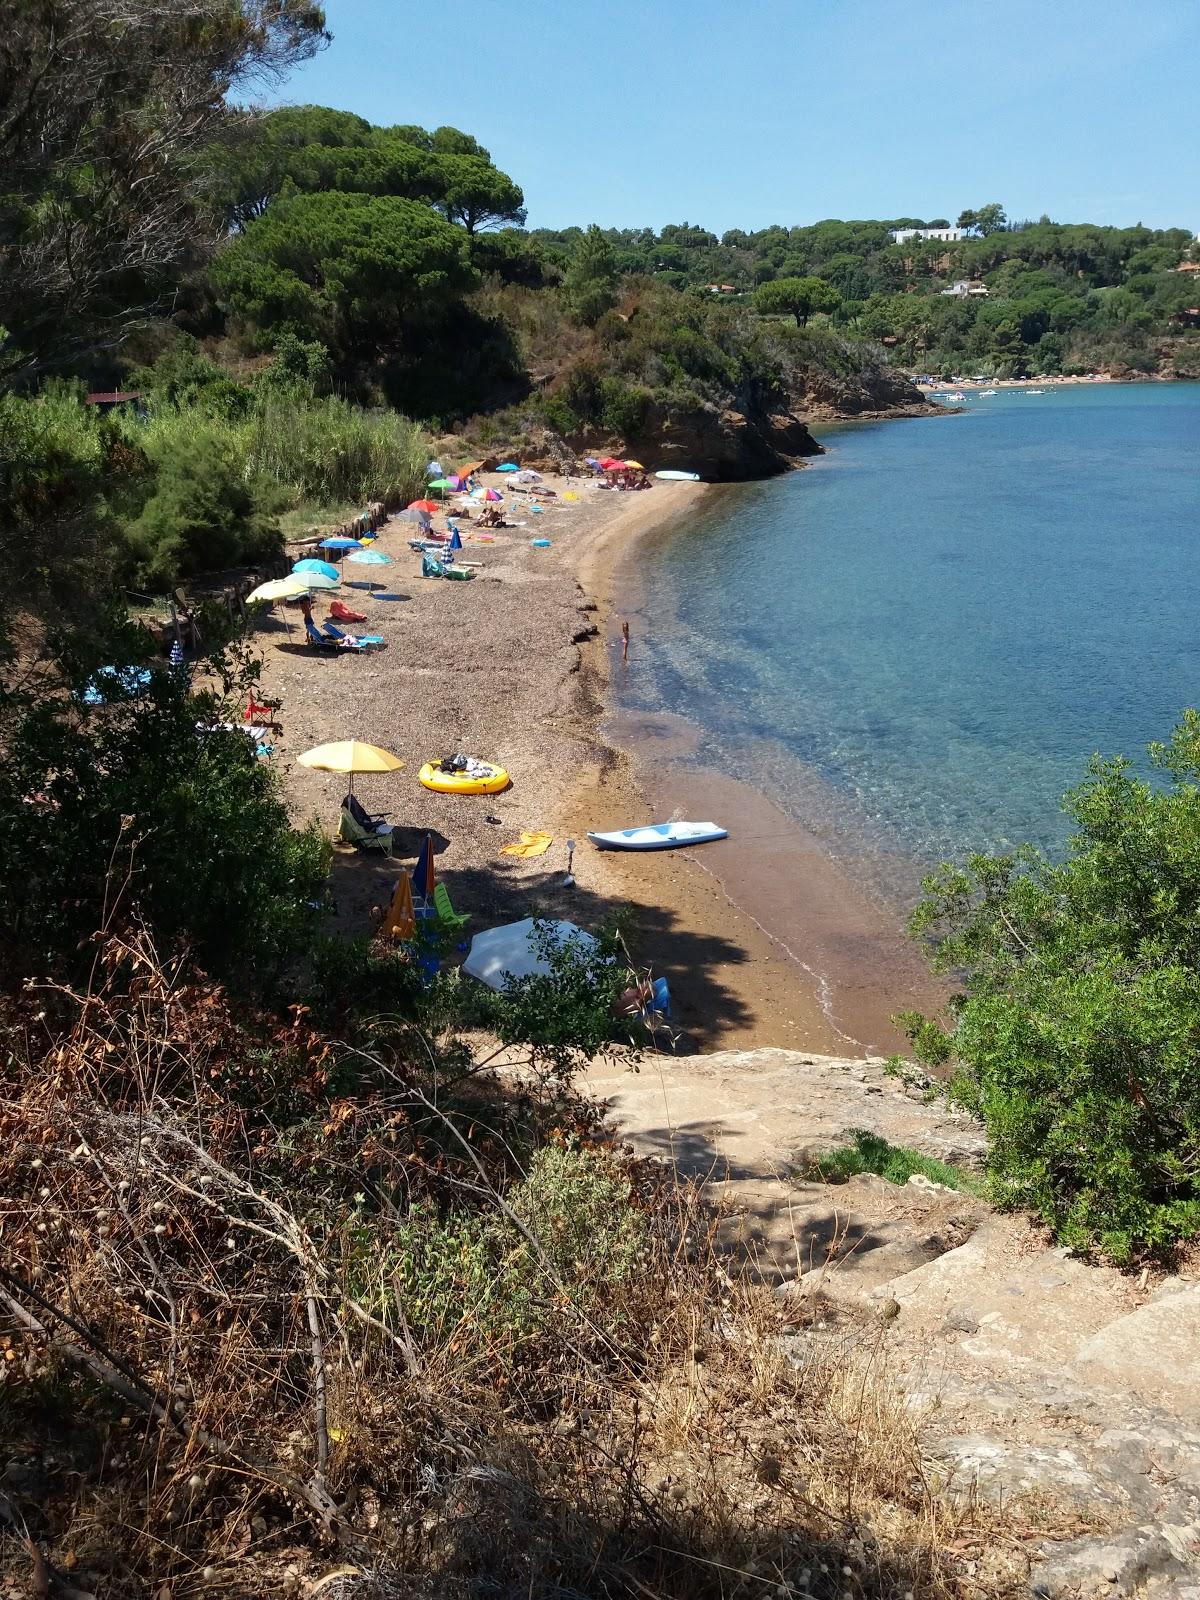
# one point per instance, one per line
(350, 756)
(280, 589)
(636, 465)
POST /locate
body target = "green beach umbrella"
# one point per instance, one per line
(441, 485)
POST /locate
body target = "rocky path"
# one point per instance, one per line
(1043, 1379)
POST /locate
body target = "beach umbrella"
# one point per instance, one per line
(319, 580)
(491, 495)
(443, 484)
(350, 756)
(411, 515)
(611, 464)
(455, 541)
(528, 475)
(508, 466)
(401, 920)
(370, 558)
(515, 951)
(427, 506)
(341, 543)
(636, 465)
(279, 589)
(326, 569)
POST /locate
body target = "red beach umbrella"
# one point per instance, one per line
(428, 506)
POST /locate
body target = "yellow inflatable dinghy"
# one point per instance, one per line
(481, 778)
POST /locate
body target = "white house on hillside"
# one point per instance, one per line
(946, 235)
(962, 290)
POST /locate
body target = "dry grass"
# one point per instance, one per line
(213, 1385)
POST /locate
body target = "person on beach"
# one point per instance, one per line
(624, 640)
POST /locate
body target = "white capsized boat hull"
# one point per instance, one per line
(659, 836)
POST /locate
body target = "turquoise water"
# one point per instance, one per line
(917, 642)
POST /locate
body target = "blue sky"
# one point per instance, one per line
(740, 113)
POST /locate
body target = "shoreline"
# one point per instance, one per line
(806, 958)
(516, 668)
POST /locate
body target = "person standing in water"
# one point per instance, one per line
(624, 640)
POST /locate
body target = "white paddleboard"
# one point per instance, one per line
(679, 477)
(659, 836)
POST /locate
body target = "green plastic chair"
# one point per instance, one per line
(447, 916)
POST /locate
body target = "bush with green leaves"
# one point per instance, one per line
(206, 511)
(567, 1242)
(1077, 1032)
(143, 805)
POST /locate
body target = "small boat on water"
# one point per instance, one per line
(1034, 391)
(957, 395)
(986, 394)
(659, 836)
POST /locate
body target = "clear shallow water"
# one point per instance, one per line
(915, 644)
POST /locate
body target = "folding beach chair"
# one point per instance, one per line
(363, 838)
(453, 921)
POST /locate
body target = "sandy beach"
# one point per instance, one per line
(514, 668)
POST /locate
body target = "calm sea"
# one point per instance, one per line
(915, 644)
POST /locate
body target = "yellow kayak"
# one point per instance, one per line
(487, 779)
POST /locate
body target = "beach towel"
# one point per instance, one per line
(532, 844)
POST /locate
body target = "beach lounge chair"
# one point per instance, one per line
(353, 641)
(363, 838)
(453, 921)
(318, 640)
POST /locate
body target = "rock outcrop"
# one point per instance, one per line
(726, 444)
(1043, 1380)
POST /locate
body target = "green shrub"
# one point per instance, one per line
(1076, 1035)
(334, 453)
(558, 415)
(131, 807)
(895, 1162)
(206, 510)
(623, 407)
(478, 1279)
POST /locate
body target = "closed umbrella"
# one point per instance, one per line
(422, 876)
(350, 756)
(401, 922)
(326, 569)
